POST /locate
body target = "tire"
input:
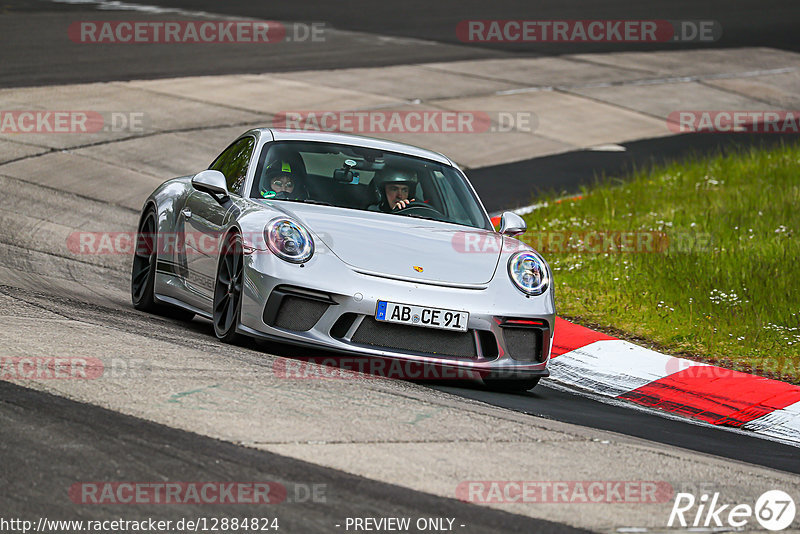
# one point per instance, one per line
(143, 272)
(228, 285)
(511, 384)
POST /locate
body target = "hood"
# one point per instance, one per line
(402, 247)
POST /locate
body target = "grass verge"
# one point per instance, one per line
(702, 258)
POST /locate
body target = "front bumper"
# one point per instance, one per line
(333, 307)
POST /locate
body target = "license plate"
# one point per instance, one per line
(393, 312)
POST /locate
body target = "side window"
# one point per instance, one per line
(233, 163)
(453, 200)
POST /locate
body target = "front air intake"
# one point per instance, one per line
(296, 309)
(524, 344)
(415, 339)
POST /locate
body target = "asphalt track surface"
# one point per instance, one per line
(42, 54)
(746, 23)
(366, 34)
(49, 442)
(559, 405)
(79, 442)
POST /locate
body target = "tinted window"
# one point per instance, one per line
(360, 178)
(233, 163)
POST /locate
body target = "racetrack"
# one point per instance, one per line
(361, 34)
(175, 404)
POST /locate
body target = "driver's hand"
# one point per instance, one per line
(401, 204)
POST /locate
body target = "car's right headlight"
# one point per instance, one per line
(289, 240)
(529, 272)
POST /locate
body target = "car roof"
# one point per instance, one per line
(357, 140)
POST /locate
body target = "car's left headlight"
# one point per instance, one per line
(289, 240)
(529, 272)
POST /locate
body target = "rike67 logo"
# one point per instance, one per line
(774, 510)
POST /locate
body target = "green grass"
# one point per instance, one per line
(726, 289)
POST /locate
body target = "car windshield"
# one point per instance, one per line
(362, 178)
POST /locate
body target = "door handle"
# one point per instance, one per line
(187, 213)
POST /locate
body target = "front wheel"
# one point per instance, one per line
(228, 290)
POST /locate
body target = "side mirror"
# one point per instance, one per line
(212, 182)
(512, 224)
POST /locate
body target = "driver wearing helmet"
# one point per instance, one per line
(395, 188)
(280, 182)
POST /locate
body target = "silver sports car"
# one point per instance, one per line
(361, 246)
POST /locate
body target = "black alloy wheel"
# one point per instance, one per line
(228, 290)
(143, 272)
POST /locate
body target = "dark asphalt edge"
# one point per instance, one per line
(571, 407)
(357, 17)
(348, 495)
(521, 183)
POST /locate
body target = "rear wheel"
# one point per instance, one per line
(228, 290)
(143, 272)
(511, 384)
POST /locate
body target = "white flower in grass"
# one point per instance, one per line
(708, 182)
(718, 297)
